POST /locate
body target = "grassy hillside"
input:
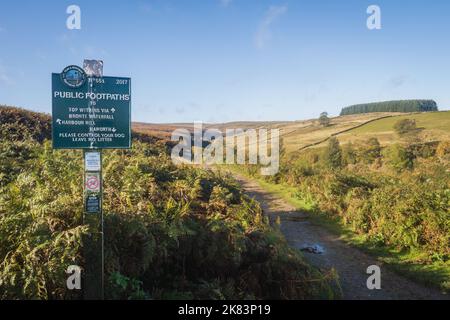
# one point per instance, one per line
(433, 126)
(170, 232)
(298, 137)
(16, 123)
(295, 134)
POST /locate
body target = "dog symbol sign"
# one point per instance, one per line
(93, 182)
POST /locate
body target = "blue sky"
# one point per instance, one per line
(225, 60)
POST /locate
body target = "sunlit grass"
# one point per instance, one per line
(428, 121)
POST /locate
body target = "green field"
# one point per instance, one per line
(433, 126)
(428, 121)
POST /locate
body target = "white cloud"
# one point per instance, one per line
(225, 3)
(264, 33)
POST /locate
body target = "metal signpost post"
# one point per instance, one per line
(91, 112)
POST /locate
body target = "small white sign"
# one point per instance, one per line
(92, 161)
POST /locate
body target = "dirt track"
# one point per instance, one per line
(350, 263)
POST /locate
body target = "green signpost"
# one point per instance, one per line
(94, 115)
(91, 113)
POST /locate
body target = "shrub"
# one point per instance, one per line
(399, 157)
(443, 149)
(324, 120)
(349, 154)
(333, 153)
(405, 126)
(369, 151)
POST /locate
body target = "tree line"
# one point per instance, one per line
(392, 106)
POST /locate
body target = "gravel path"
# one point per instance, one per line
(350, 263)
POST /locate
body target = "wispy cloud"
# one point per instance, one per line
(264, 34)
(225, 3)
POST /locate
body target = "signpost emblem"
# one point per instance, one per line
(73, 76)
